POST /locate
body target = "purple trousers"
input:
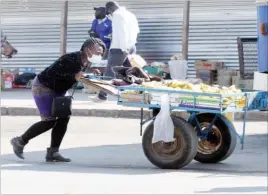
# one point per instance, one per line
(43, 97)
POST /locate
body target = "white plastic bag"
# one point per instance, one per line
(178, 69)
(163, 124)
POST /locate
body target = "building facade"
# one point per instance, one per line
(33, 27)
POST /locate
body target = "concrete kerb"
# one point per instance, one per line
(117, 113)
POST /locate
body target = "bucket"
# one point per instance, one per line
(178, 69)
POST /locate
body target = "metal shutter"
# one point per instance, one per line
(33, 26)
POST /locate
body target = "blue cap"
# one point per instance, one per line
(102, 9)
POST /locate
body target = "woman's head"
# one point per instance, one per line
(93, 49)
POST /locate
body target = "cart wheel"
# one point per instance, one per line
(220, 142)
(173, 155)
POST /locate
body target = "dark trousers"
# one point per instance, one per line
(58, 126)
(115, 58)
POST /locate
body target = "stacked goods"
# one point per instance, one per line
(241, 83)
(208, 65)
(8, 77)
(134, 96)
(227, 77)
(207, 76)
(200, 88)
(139, 97)
(208, 70)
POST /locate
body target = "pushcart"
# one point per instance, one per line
(206, 136)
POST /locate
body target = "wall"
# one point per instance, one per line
(33, 26)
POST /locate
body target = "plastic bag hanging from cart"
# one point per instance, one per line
(163, 124)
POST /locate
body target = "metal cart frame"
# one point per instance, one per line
(254, 101)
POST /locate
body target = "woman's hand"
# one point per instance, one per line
(78, 76)
(96, 72)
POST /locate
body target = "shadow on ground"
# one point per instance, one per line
(130, 160)
(257, 189)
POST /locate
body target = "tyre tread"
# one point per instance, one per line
(226, 150)
(189, 137)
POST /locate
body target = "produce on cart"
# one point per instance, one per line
(206, 136)
(202, 100)
(207, 105)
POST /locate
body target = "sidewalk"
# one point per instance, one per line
(19, 102)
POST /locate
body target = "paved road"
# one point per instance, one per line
(108, 158)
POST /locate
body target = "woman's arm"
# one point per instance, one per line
(79, 75)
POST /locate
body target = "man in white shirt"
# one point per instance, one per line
(124, 38)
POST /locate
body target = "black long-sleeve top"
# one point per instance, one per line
(60, 76)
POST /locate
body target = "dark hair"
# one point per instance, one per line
(91, 42)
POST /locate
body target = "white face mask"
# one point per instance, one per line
(94, 59)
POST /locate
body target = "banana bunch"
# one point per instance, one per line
(181, 85)
(240, 100)
(202, 88)
(155, 85)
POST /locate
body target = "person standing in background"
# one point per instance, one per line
(102, 28)
(124, 38)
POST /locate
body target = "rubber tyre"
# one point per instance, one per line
(189, 146)
(228, 145)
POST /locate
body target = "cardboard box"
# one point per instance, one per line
(100, 86)
(208, 77)
(241, 83)
(235, 79)
(89, 89)
(244, 83)
(8, 77)
(260, 82)
(134, 98)
(208, 65)
(225, 77)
